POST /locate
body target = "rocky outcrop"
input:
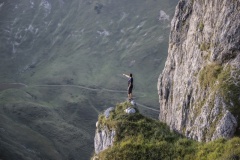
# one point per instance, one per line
(199, 88)
(105, 133)
(103, 139)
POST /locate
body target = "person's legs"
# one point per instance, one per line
(130, 93)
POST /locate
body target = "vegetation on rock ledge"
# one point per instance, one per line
(223, 81)
(141, 138)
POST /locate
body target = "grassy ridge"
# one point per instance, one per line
(141, 138)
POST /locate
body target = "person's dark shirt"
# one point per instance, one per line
(130, 82)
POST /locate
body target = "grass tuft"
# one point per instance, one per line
(209, 74)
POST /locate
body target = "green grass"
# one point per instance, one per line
(142, 138)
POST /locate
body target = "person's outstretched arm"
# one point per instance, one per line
(126, 75)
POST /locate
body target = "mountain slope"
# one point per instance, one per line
(35, 125)
(85, 42)
(62, 63)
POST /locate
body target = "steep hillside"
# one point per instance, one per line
(46, 124)
(83, 42)
(62, 63)
(199, 88)
(136, 137)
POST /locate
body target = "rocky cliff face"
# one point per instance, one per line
(104, 136)
(199, 88)
(103, 139)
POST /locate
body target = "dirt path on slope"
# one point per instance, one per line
(5, 86)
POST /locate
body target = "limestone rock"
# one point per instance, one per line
(107, 112)
(226, 126)
(104, 136)
(103, 139)
(199, 88)
(133, 103)
(130, 110)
